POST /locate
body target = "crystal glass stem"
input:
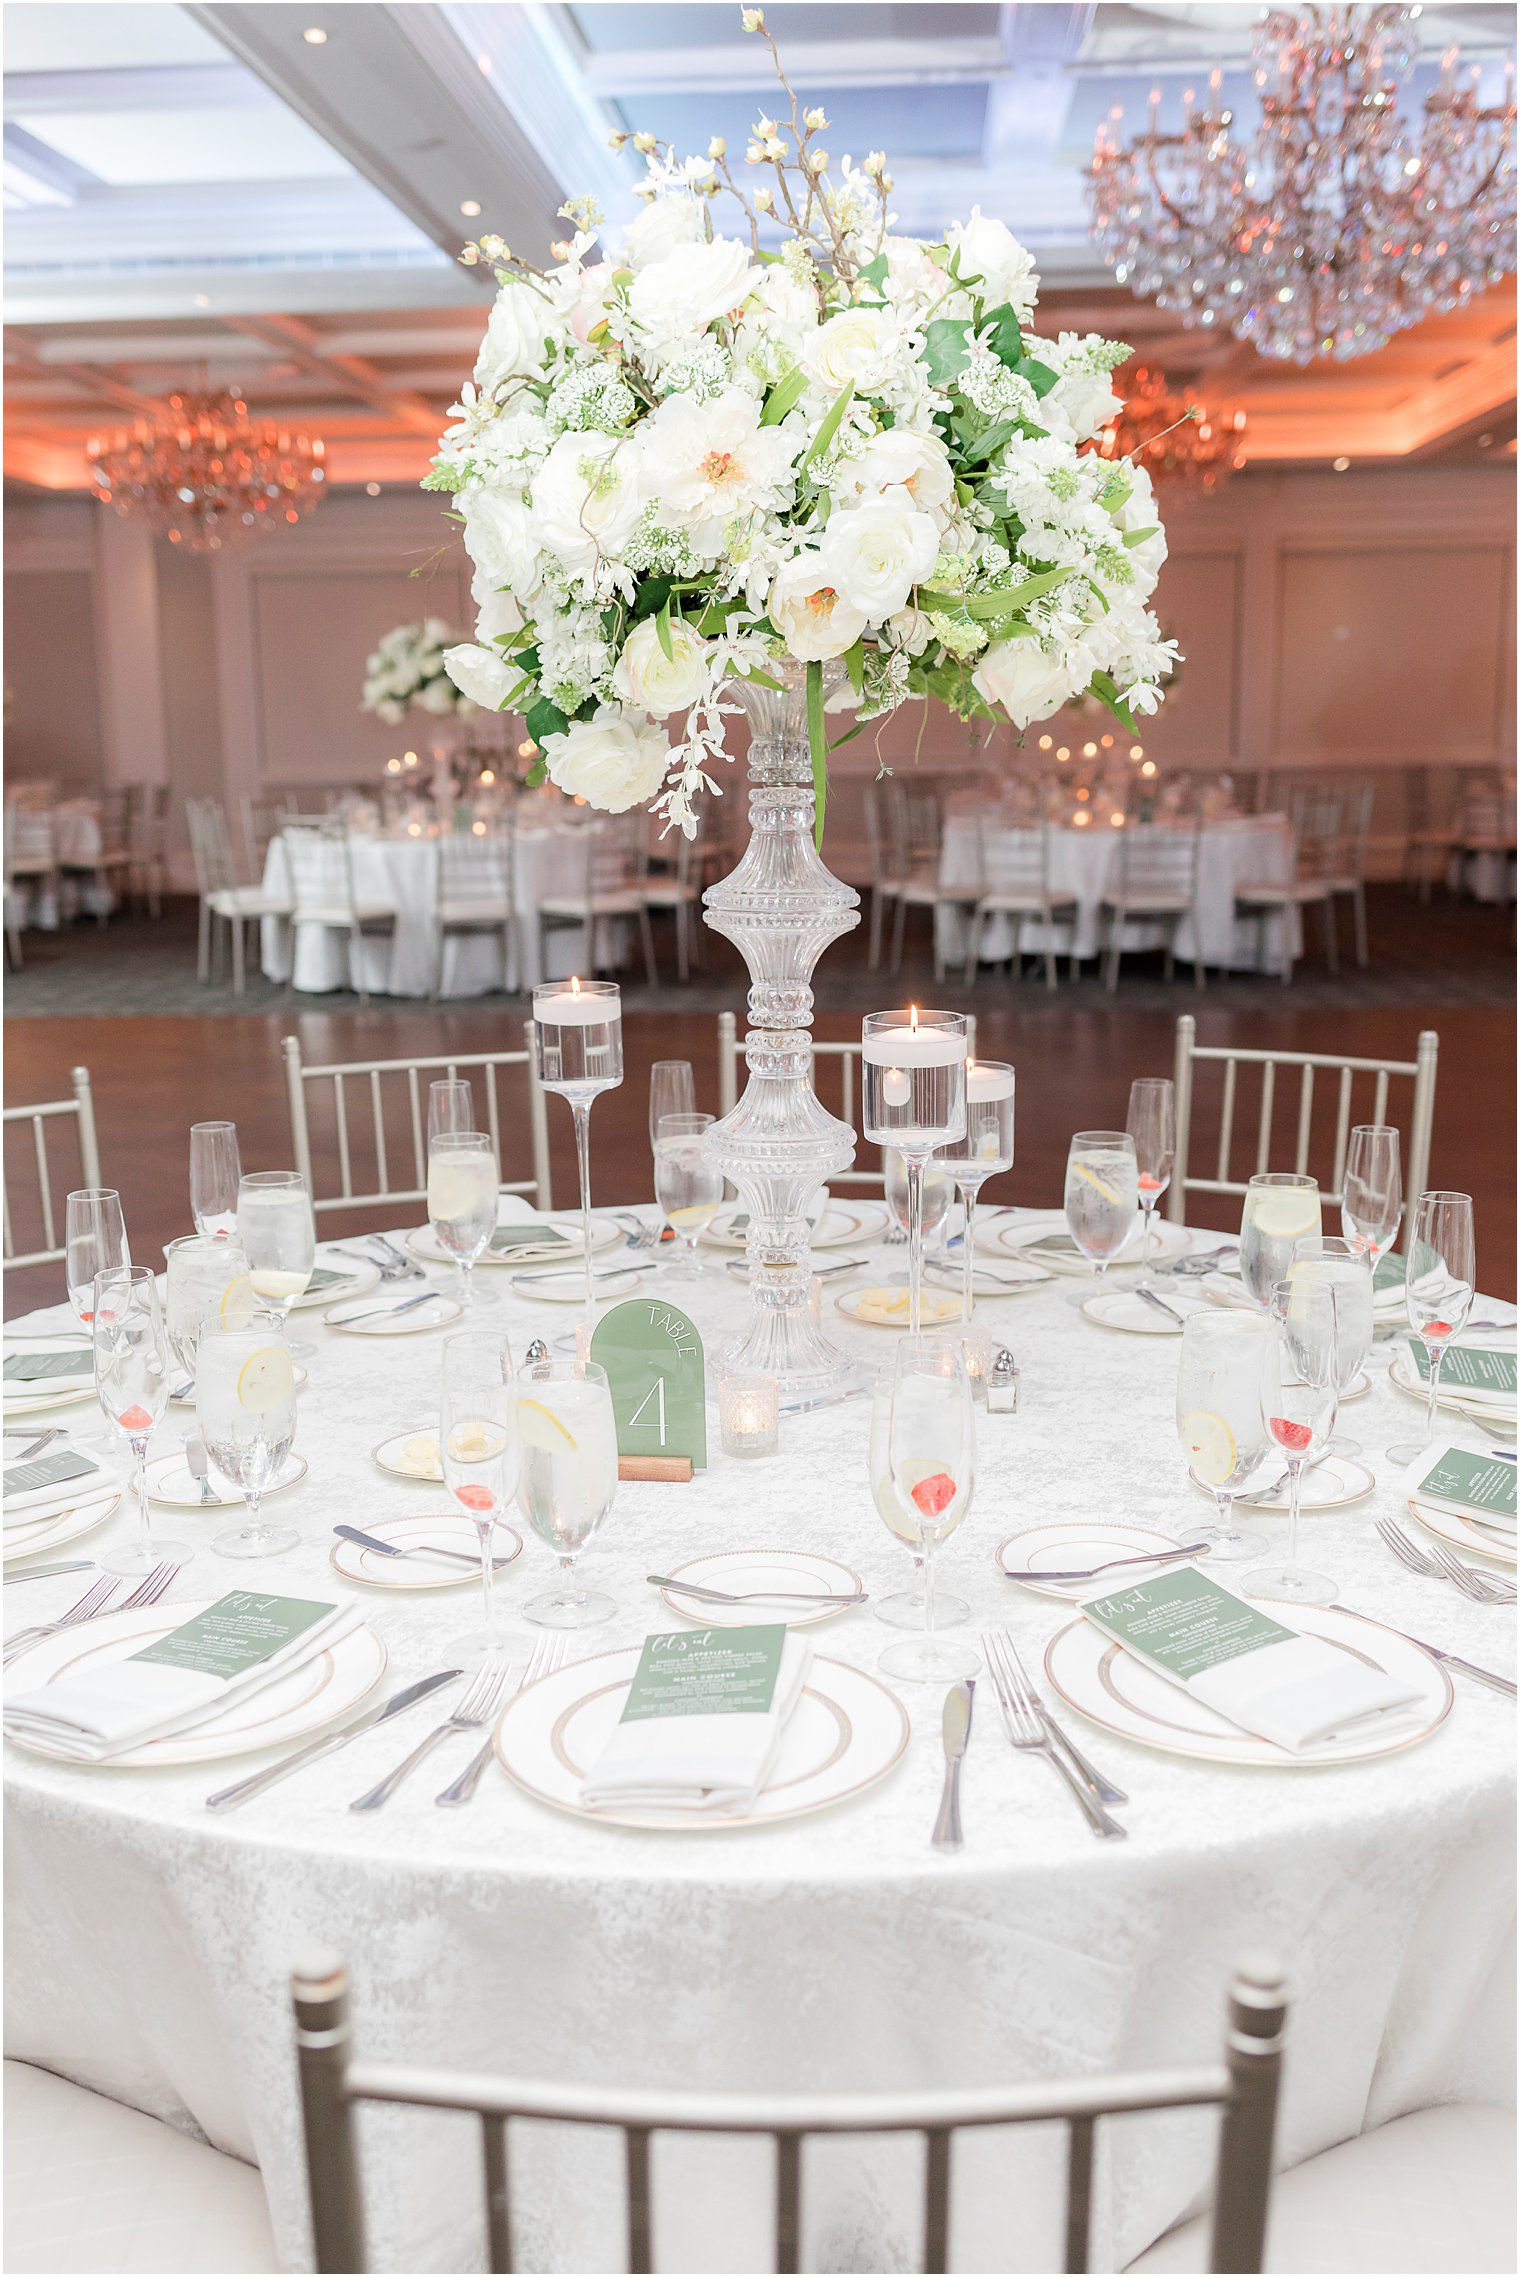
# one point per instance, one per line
(140, 1481)
(580, 1114)
(1148, 1209)
(914, 1166)
(484, 1527)
(1435, 1354)
(1295, 1475)
(969, 1188)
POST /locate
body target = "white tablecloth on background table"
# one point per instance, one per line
(148, 1944)
(76, 844)
(1243, 850)
(402, 873)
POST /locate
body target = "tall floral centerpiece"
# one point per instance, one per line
(805, 464)
(407, 668)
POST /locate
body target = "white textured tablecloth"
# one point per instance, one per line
(1245, 849)
(148, 1944)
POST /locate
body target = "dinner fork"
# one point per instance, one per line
(478, 1704)
(1025, 1724)
(547, 1655)
(94, 1603)
(1434, 1563)
(406, 1268)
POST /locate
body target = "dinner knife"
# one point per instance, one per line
(1468, 1667)
(41, 1572)
(755, 1596)
(417, 1550)
(407, 1697)
(955, 1730)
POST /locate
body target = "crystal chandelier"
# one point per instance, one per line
(205, 475)
(1339, 222)
(1174, 437)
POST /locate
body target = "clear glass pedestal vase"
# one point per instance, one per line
(781, 908)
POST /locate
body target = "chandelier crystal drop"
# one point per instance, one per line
(1175, 436)
(205, 475)
(1340, 221)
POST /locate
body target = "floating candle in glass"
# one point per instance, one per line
(914, 1099)
(578, 1046)
(985, 1150)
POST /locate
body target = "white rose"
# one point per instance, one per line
(876, 554)
(1027, 683)
(905, 466)
(612, 761)
(658, 683)
(1085, 400)
(859, 344)
(497, 613)
(586, 500)
(664, 224)
(810, 613)
(513, 347)
(691, 287)
(989, 251)
(480, 674)
(499, 533)
(916, 281)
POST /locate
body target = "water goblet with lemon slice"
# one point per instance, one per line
(279, 1234)
(568, 1457)
(688, 1185)
(1219, 1418)
(1330, 1261)
(207, 1279)
(462, 1186)
(1281, 1207)
(478, 1450)
(1102, 1199)
(245, 1404)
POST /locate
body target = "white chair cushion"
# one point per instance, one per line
(624, 904)
(93, 2186)
(464, 912)
(1433, 2193)
(247, 901)
(363, 913)
(1152, 905)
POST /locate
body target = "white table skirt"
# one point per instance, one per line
(47, 905)
(1246, 849)
(148, 1944)
(402, 873)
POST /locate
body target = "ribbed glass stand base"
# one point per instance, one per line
(781, 908)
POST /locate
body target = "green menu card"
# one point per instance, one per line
(657, 1376)
(1469, 1367)
(236, 1633)
(707, 1672)
(1478, 1482)
(1388, 1273)
(1184, 1622)
(40, 1367)
(507, 1240)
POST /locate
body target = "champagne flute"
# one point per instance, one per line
(1281, 1207)
(95, 1241)
(1298, 1402)
(1440, 1277)
(688, 1185)
(672, 1091)
(1152, 1124)
(215, 1172)
(1327, 1260)
(1220, 1420)
(207, 1279)
(904, 1609)
(451, 1106)
(245, 1404)
(568, 1477)
(132, 1386)
(462, 1191)
(1102, 1196)
(477, 1440)
(931, 1464)
(1372, 1197)
(985, 1151)
(279, 1235)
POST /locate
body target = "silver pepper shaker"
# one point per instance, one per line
(1003, 1384)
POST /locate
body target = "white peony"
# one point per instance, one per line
(877, 553)
(990, 252)
(658, 683)
(586, 500)
(1027, 683)
(498, 529)
(690, 288)
(703, 464)
(513, 347)
(810, 613)
(613, 761)
(480, 674)
(664, 224)
(859, 344)
(903, 466)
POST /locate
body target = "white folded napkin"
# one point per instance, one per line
(708, 1765)
(107, 1709)
(78, 1377)
(51, 1492)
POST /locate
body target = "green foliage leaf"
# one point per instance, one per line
(652, 596)
(875, 272)
(1040, 376)
(818, 746)
(855, 663)
(1138, 537)
(544, 718)
(945, 350)
(537, 773)
(782, 396)
(1106, 689)
(988, 608)
(662, 632)
(991, 439)
(1005, 338)
(830, 426)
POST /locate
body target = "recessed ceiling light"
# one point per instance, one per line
(203, 300)
(1340, 465)
(1485, 442)
(314, 36)
(483, 63)
(469, 207)
(372, 489)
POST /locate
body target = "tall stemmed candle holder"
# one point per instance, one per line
(914, 1100)
(984, 1152)
(578, 1044)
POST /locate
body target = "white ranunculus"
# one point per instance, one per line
(613, 761)
(586, 500)
(513, 348)
(859, 344)
(917, 282)
(810, 613)
(664, 224)
(581, 297)
(690, 287)
(704, 463)
(905, 467)
(658, 683)
(499, 533)
(876, 554)
(989, 251)
(1027, 683)
(498, 612)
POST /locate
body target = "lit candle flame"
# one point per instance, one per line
(575, 986)
(913, 1018)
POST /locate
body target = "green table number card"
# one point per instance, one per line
(657, 1375)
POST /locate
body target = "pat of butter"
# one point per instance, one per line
(890, 1307)
(420, 1457)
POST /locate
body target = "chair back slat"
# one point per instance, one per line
(80, 1110)
(1226, 1121)
(419, 1132)
(1079, 2175)
(494, 2154)
(1305, 1116)
(1380, 1105)
(640, 2245)
(377, 1109)
(340, 1119)
(1343, 1128)
(788, 2200)
(44, 1183)
(937, 2201)
(1264, 1121)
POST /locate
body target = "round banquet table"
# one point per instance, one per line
(401, 872)
(148, 1944)
(1234, 851)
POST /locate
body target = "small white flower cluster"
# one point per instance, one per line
(409, 667)
(679, 462)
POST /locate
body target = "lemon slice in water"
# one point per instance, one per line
(265, 1380)
(542, 1428)
(1093, 1179)
(1210, 1444)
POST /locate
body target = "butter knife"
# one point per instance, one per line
(229, 1797)
(755, 1596)
(417, 1550)
(955, 1729)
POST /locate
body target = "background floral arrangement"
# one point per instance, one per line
(680, 464)
(408, 668)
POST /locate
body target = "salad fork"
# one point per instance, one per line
(479, 1703)
(94, 1603)
(1026, 1727)
(1436, 1564)
(548, 1654)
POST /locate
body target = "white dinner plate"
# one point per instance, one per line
(604, 1233)
(569, 1286)
(171, 1485)
(1124, 1310)
(938, 1309)
(19, 1405)
(738, 1570)
(52, 1530)
(1011, 1236)
(1113, 1688)
(1071, 1544)
(841, 1223)
(1333, 1483)
(435, 1311)
(1464, 1533)
(845, 1733)
(391, 1455)
(305, 1700)
(357, 1281)
(446, 1528)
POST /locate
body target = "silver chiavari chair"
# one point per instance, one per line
(1242, 2086)
(847, 1054)
(615, 860)
(474, 894)
(1348, 875)
(1268, 1153)
(356, 1125)
(1157, 884)
(79, 1110)
(322, 893)
(1315, 818)
(1015, 885)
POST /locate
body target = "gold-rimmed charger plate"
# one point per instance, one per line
(842, 1222)
(444, 1528)
(1118, 1692)
(846, 1732)
(38, 1403)
(51, 1531)
(437, 1310)
(353, 1281)
(1463, 1533)
(751, 1570)
(1013, 1236)
(171, 1486)
(1487, 1409)
(321, 1691)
